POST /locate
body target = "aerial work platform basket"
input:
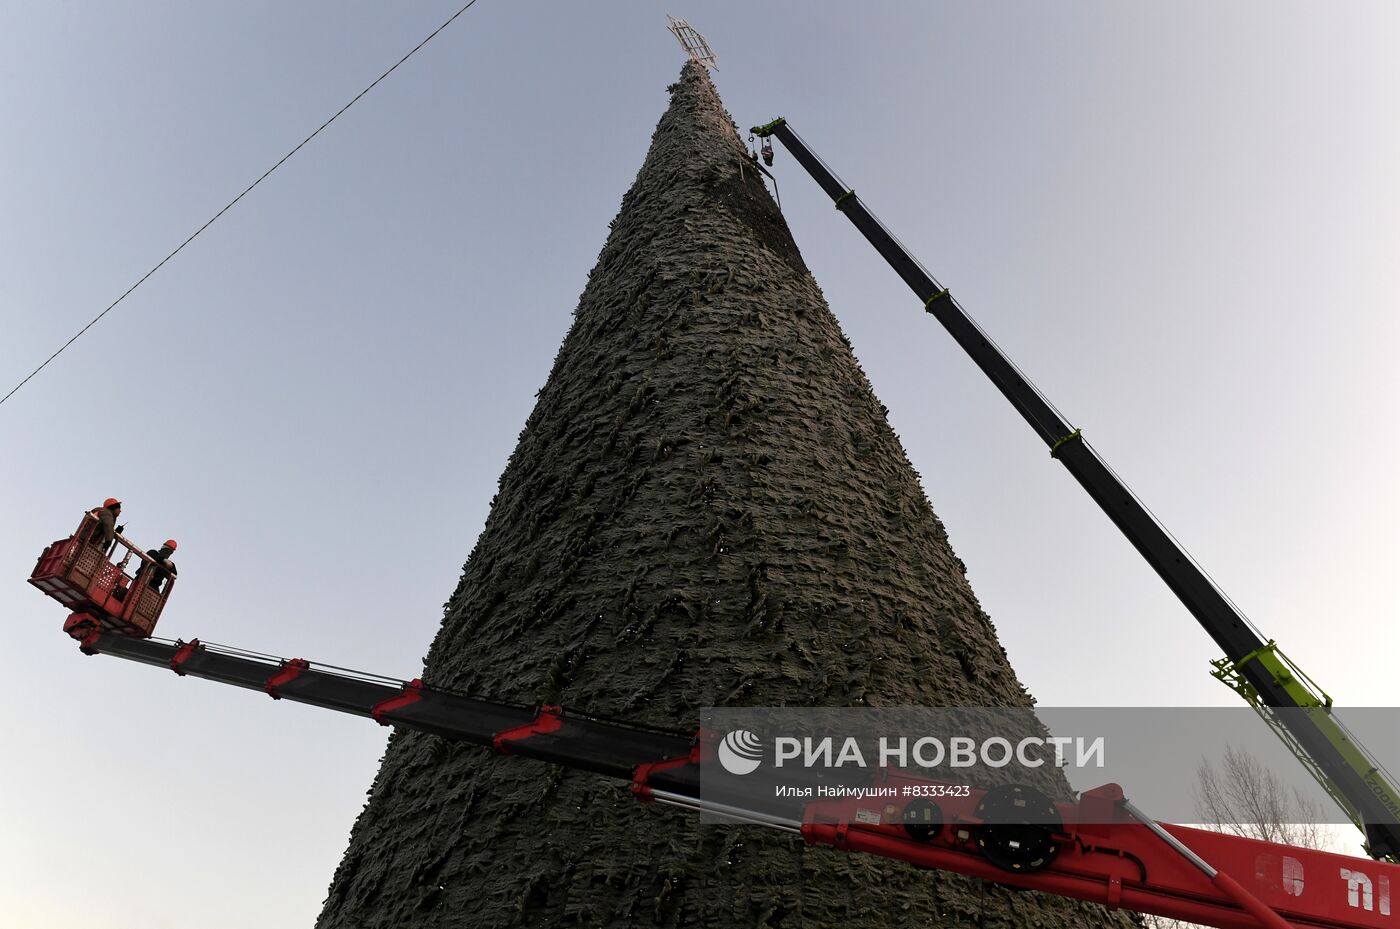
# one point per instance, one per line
(101, 592)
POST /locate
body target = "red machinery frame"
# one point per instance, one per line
(1109, 853)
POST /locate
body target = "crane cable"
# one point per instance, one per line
(228, 206)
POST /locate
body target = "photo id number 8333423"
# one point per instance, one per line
(936, 790)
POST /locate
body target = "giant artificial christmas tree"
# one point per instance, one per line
(706, 507)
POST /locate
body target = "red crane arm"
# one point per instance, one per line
(1106, 856)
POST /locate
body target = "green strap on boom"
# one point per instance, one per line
(1055, 449)
(844, 197)
(928, 304)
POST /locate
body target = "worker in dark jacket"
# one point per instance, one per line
(105, 532)
(163, 567)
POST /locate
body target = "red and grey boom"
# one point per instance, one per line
(1100, 849)
(544, 733)
(1254, 668)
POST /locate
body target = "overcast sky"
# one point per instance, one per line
(1182, 220)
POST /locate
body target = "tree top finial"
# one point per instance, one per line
(693, 42)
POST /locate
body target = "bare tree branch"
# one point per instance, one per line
(1243, 797)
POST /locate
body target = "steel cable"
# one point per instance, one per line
(228, 206)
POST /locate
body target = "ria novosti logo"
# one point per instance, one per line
(740, 752)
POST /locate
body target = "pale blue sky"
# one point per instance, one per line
(1181, 219)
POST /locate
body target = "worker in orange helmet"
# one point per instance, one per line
(163, 567)
(105, 532)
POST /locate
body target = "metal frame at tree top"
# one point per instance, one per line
(693, 42)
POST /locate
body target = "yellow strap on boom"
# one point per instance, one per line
(1055, 449)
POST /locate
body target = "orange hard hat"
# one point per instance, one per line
(170, 544)
(111, 501)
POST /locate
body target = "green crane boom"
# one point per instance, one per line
(1286, 698)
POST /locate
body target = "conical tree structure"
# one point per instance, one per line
(706, 507)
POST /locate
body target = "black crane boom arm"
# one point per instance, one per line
(1374, 804)
(604, 747)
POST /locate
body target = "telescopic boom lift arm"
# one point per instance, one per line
(1102, 850)
(1256, 669)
